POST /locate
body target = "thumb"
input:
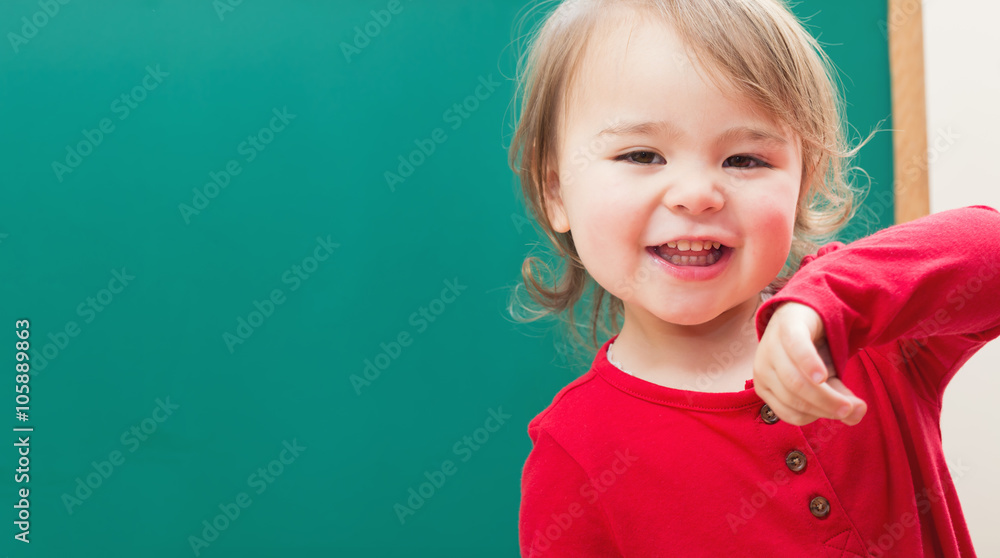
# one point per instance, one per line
(858, 404)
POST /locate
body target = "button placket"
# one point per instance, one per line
(796, 460)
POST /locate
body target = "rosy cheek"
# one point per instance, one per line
(772, 226)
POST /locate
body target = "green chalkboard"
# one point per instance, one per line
(197, 227)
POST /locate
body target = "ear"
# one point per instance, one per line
(554, 207)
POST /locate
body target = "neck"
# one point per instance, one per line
(714, 356)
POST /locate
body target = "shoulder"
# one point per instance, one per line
(568, 406)
(584, 421)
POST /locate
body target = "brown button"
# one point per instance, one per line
(820, 507)
(768, 415)
(796, 460)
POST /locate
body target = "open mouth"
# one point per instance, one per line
(693, 253)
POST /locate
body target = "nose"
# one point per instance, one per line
(694, 192)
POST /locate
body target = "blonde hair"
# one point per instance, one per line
(755, 49)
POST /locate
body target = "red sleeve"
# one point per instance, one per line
(925, 292)
(559, 516)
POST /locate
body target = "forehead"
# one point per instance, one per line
(636, 66)
(624, 42)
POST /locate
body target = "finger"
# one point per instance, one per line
(824, 354)
(860, 407)
(789, 385)
(783, 411)
(767, 384)
(777, 396)
(804, 395)
(798, 344)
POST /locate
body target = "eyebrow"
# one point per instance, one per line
(747, 133)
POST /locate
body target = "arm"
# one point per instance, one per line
(558, 518)
(927, 292)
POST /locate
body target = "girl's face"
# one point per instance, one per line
(651, 155)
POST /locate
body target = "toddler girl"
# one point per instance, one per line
(764, 396)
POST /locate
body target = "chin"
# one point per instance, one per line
(689, 317)
(694, 311)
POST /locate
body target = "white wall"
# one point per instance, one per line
(961, 43)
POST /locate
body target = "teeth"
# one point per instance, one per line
(693, 245)
(694, 260)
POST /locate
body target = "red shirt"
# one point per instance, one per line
(622, 467)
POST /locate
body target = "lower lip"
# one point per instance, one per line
(693, 272)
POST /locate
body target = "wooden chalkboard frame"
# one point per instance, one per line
(909, 109)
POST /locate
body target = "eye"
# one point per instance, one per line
(643, 158)
(745, 162)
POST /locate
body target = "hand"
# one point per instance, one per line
(792, 350)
